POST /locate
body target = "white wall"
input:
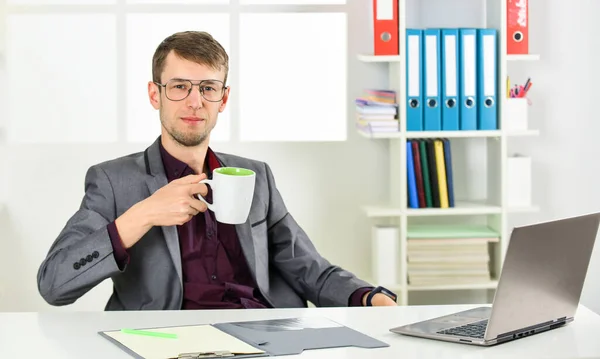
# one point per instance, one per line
(565, 109)
(326, 183)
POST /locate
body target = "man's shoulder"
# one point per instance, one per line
(127, 164)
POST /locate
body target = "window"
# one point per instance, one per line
(61, 82)
(78, 69)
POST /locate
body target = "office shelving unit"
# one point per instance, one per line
(492, 210)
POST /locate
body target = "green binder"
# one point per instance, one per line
(425, 173)
(450, 231)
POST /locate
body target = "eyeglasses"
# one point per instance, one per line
(180, 89)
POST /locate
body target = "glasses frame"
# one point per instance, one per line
(192, 87)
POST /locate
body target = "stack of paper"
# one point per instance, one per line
(376, 112)
(447, 255)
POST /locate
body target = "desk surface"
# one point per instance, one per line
(65, 335)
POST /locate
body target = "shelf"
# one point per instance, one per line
(452, 134)
(523, 133)
(374, 58)
(448, 134)
(466, 286)
(527, 209)
(460, 209)
(528, 57)
(377, 135)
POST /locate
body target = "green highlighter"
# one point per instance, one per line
(149, 333)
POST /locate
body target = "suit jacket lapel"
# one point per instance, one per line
(155, 180)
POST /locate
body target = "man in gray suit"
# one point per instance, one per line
(141, 225)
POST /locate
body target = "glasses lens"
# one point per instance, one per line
(178, 89)
(212, 90)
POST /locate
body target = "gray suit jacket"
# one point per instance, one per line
(281, 257)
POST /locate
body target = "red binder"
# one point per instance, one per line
(386, 27)
(517, 23)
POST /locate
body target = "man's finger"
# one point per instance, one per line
(198, 188)
(189, 179)
(198, 205)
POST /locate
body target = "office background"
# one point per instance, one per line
(70, 107)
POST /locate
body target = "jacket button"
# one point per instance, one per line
(213, 277)
(82, 262)
(76, 265)
(89, 258)
(95, 254)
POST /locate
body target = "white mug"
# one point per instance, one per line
(232, 193)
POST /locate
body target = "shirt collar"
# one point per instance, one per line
(175, 168)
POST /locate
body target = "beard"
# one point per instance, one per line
(185, 139)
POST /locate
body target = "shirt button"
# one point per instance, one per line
(213, 277)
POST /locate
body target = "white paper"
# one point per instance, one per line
(469, 57)
(385, 10)
(450, 70)
(489, 65)
(414, 66)
(190, 339)
(431, 48)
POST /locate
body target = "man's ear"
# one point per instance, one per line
(154, 95)
(225, 99)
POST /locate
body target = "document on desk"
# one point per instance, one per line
(294, 335)
(175, 342)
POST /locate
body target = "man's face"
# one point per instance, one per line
(189, 121)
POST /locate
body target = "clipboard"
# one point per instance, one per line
(183, 342)
(247, 339)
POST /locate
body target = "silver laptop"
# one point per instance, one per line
(539, 288)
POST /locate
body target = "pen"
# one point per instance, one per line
(149, 333)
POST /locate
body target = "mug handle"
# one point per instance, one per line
(210, 206)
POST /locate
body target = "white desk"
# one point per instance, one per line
(65, 335)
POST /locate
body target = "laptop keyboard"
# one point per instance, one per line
(472, 330)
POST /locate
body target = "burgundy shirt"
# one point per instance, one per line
(215, 271)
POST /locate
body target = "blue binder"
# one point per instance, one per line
(413, 199)
(468, 80)
(450, 80)
(432, 118)
(414, 80)
(487, 74)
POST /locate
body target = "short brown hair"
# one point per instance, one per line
(197, 46)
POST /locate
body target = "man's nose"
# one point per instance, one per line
(194, 99)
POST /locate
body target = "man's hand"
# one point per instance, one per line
(173, 204)
(378, 300)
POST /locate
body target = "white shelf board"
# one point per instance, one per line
(523, 133)
(525, 209)
(466, 286)
(460, 208)
(379, 58)
(527, 57)
(452, 134)
(379, 135)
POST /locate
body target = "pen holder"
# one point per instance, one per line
(517, 110)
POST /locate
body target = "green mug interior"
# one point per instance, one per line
(234, 171)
